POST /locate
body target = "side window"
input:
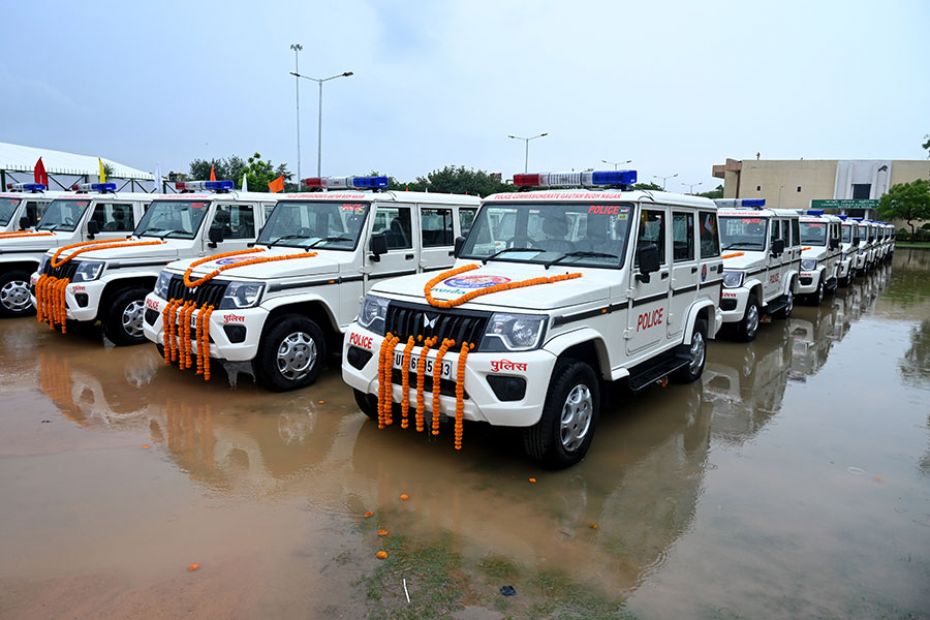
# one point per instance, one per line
(394, 224)
(466, 219)
(436, 226)
(682, 236)
(710, 235)
(114, 217)
(238, 221)
(796, 231)
(34, 211)
(774, 231)
(652, 230)
(785, 234)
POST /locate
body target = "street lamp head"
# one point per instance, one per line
(512, 137)
(543, 135)
(348, 73)
(294, 74)
(296, 47)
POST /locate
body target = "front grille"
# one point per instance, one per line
(728, 304)
(210, 293)
(405, 320)
(65, 271)
(805, 280)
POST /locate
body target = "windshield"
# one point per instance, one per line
(332, 225)
(63, 215)
(743, 233)
(813, 233)
(7, 209)
(583, 234)
(178, 219)
(847, 234)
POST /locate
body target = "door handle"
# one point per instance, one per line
(694, 270)
(720, 268)
(451, 252)
(664, 275)
(408, 256)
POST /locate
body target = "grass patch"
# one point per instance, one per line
(913, 245)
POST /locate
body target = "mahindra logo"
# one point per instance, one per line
(429, 323)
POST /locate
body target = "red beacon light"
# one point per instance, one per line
(604, 178)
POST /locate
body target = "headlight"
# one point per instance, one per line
(87, 270)
(241, 295)
(372, 313)
(732, 279)
(808, 264)
(161, 285)
(514, 332)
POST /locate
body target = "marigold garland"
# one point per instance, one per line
(206, 342)
(497, 288)
(421, 380)
(385, 381)
(252, 261)
(199, 320)
(25, 233)
(405, 382)
(93, 246)
(167, 317)
(51, 306)
(460, 394)
(382, 388)
(447, 343)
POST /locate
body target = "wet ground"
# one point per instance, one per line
(793, 481)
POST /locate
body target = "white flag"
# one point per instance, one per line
(158, 183)
(245, 183)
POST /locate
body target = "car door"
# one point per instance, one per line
(115, 219)
(437, 236)
(649, 302)
(238, 221)
(773, 264)
(396, 222)
(685, 274)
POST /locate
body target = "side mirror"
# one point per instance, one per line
(648, 257)
(92, 229)
(459, 242)
(378, 246)
(778, 247)
(24, 222)
(834, 243)
(215, 235)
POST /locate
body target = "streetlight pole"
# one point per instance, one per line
(319, 129)
(526, 142)
(297, 47)
(691, 186)
(664, 179)
(617, 164)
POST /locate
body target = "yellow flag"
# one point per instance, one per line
(103, 172)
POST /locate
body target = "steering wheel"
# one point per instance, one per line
(304, 232)
(520, 242)
(68, 221)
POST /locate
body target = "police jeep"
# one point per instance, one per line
(109, 285)
(277, 310)
(555, 292)
(94, 212)
(820, 254)
(761, 257)
(22, 206)
(848, 265)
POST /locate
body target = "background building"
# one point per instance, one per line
(17, 163)
(850, 186)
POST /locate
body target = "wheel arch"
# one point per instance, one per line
(28, 265)
(704, 310)
(584, 344)
(315, 309)
(114, 287)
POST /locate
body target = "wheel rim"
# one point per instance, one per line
(697, 351)
(15, 296)
(132, 318)
(296, 356)
(752, 319)
(576, 417)
(820, 292)
(789, 303)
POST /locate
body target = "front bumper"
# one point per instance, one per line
(808, 281)
(82, 299)
(223, 341)
(482, 404)
(733, 304)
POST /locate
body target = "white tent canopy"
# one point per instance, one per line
(18, 158)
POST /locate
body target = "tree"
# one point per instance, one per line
(713, 194)
(908, 202)
(926, 145)
(649, 186)
(259, 172)
(456, 180)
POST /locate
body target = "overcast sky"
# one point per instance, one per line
(674, 86)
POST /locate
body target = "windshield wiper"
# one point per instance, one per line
(751, 244)
(282, 238)
(484, 261)
(50, 228)
(328, 239)
(559, 259)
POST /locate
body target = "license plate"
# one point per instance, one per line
(414, 360)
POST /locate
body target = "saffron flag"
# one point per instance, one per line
(277, 185)
(103, 172)
(41, 176)
(212, 172)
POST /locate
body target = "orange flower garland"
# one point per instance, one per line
(207, 313)
(437, 381)
(167, 317)
(51, 307)
(93, 246)
(252, 261)
(405, 382)
(421, 380)
(25, 233)
(386, 388)
(383, 353)
(452, 303)
(460, 395)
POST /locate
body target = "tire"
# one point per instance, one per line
(368, 403)
(693, 371)
(14, 295)
(290, 354)
(816, 298)
(573, 397)
(785, 312)
(748, 328)
(122, 321)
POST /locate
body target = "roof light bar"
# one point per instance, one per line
(103, 188)
(367, 182)
(751, 203)
(208, 186)
(817, 212)
(601, 178)
(26, 187)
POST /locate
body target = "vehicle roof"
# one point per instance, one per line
(584, 194)
(233, 195)
(143, 196)
(47, 194)
(826, 217)
(749, 211)
(388, 196)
